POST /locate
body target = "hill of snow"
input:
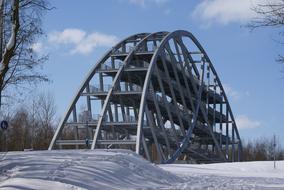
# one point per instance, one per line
(122, 169)
(239, 175)
(81, 169)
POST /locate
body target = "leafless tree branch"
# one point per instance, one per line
(20, 26)
(271, 15)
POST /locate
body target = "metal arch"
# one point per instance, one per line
(146, 84)
(145, 89)
(83, 86)
(115, 80)
(178, 33)
(172, 84)
(191, 36)
(186, 142)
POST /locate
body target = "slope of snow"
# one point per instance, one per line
(240, 169)
(81, 169)
(243, 175)
(122, 169)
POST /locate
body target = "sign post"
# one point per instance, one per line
(274, 151)
(4, 126)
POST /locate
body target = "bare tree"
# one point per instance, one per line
(31, 125)
(269, 14)
(46, 109)
(262, 149)
(45, 119)
(20, 26)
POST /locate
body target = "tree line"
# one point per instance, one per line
(31, 126)
(262, 149)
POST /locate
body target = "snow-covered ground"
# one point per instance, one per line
(99, 169)
(242, 175)
(81, 169)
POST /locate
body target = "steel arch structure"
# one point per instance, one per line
(157, 94)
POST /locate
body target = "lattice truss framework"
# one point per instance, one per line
(157, 94)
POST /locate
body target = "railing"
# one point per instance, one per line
(124, 87)
(129, 118)
(179, 108)
(116, 66)
(121, 119)
(195, 78)
(86, 117)
(119, 52)
(128, 49)
(95, 117)
(111, 66)
(99, 88)
(138, 64)
(127, 87)
(150, 48)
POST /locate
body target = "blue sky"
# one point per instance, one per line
(79, 32)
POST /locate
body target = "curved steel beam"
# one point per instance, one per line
(185, 92)
(217, 78)
(115, 81)
(145, 89)
(178, 33)
(83, 86)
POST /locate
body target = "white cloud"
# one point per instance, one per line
(160, 1)
(142, 3)
(137, 2)
(244, 122)
(83, 42)
(232, 92)
(37, 47)
(69, 35)
(225, 11)
(87, 44)
(167, 11)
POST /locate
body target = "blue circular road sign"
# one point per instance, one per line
(4, 125)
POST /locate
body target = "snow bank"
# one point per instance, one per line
(81, 169)
(123, 169)
(224, 176)
(236, 169)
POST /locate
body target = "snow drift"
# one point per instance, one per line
(81, 169)
(123, 169)
(259, 175)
